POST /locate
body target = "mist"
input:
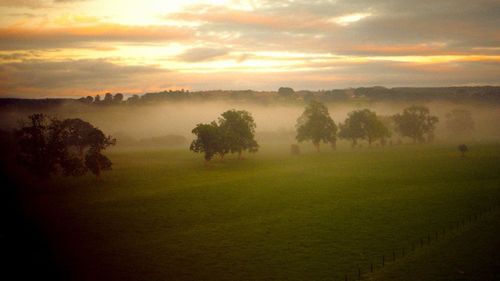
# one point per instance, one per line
(275, 121)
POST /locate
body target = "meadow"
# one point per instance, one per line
(162, 214)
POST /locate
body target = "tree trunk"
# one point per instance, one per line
(317, 146)
(239, 154)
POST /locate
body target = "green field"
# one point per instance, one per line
(164, 215)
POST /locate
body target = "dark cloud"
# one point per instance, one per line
(58, 78)
(457, 25)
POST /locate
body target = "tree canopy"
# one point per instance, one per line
(234, 132)
(417, 123)
(285, 91)
(363, 124)
(47, 146)
(316, 125)
(208, 140)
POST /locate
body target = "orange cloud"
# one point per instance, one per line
(250, 19)
(26, 38)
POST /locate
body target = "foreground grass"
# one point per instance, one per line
(163, 215)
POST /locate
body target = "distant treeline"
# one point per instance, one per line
(479, 93)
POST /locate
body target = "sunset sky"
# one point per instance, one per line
(87, 47)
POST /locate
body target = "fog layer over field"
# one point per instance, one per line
(275, 122)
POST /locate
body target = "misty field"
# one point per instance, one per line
(164, 215)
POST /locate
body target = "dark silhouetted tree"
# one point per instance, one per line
(363, 124)
(45, 146)
(285, 91)
(97, 99)
(460, 123)
(416, 122)
(463, 149)
(108, 98)
(89, 99)
(208, 140)
(118, 98)
(77, 134)
(38, 150)
(95, 161)
(238, 131)
(316, 125)
(133, 99)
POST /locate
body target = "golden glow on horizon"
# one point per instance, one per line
(230, 37)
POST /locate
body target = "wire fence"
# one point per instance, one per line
(384, 259)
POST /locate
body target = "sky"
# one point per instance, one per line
(73, 48)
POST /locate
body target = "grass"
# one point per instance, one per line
(163, 215)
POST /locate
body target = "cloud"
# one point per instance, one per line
(38, 78)
(23, 3)
(202, 54)
(71, 37)
(229, 19)
(33, 4)
(48, 78)
(351, 27)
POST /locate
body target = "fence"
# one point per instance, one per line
(399, 253)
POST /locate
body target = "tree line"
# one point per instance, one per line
(377, 93)
(73, 147)
(316, 125)
(235, 130)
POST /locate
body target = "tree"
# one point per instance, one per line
(37, 146)
(77, 134)
(133, 99)
(95, 161)
(46, 146)
(363, 124)
(234, 132)
(463, 149)
(459, 122)
(118, 98)
(238, 131)
(285, 91)
(108, 98)
(417, 123)
(97, 99)
(316, 125)
(208, 140)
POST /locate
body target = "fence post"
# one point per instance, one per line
(393, 255)
(383, 260)
(371, 267)
(359, 273)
